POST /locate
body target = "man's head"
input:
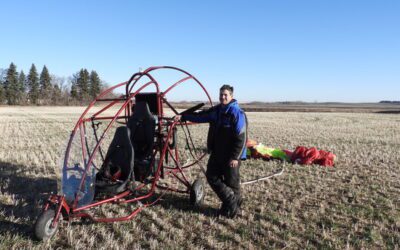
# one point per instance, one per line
(225, 94)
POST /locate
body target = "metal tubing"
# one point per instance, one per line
(106, 107)
(114, 198)
(178, 166)
(103, 118)
(162, 140)
(102, 137)
(135, 212)
(83, 115)
(176, 84)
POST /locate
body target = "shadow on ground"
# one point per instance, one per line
(182, 203)
(21, 198)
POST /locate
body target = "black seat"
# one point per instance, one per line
(142, 125)
(129, 155)
(117, 168)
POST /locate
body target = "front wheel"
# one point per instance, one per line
(197, 193)
(43, 227)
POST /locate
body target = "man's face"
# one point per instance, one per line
(225, 97)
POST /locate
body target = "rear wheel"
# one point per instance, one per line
(197, 193)
(43, 226)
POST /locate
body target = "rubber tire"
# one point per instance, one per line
(42, 225)
(197, 193)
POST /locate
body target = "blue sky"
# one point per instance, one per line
(346, 51)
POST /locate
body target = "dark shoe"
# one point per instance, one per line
(223, 209)
(230, 209)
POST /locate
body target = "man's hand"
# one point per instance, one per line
(234, 163)
(177, 118)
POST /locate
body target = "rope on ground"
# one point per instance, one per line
(262, 178)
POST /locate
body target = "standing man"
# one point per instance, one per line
(227, 144)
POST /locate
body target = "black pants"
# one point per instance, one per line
(223, 179)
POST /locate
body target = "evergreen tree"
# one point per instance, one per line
(22, 87)
(33, 84)
(2, 91)
(83, 85)
(74, 88)
(18, 88)
(2, 94)
(11, 85)
(45, 85)
(22, 81)
(2, 75)
(74, 92)
(95, 84)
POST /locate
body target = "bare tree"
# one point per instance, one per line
(58, 84)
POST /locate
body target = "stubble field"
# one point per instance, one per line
(355, 204)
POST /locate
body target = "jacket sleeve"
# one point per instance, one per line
(239, 134)
(201, 117)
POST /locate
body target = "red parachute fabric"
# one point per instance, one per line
(325, 158)
(307, 156)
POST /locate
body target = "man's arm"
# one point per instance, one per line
(201, 117)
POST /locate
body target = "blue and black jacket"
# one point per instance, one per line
(227, 135)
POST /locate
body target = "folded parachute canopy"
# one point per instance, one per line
(301, 155)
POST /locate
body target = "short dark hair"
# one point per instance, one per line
(227, 87)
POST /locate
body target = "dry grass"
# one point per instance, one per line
(355, 204)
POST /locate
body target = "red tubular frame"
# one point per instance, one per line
(161, 146)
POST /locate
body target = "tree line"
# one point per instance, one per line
(16, 88)
(390, 102)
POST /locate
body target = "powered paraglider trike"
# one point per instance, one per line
(120, 149)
